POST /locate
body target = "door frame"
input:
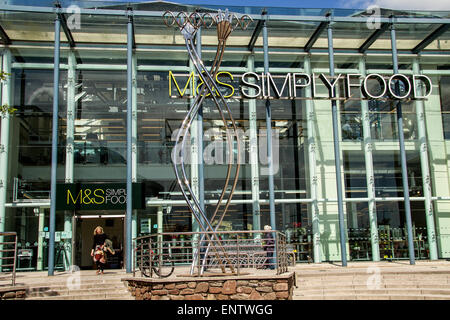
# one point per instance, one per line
(94, 215)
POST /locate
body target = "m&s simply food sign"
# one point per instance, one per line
(109, 196)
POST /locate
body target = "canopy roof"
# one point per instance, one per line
(104, 22)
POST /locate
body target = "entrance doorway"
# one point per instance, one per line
(113, 226)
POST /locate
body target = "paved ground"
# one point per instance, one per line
(31, 278)
(302, 269)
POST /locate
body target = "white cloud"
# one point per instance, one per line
(400, 4)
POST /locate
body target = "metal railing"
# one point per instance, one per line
(226, 251)
(8, 256)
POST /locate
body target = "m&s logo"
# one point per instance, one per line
(97, 196)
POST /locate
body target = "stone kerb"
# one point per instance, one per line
(279, 287)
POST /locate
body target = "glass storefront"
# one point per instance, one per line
(93, 131)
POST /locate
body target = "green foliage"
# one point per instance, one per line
(3, 75)
(7, 109)
(4, 109)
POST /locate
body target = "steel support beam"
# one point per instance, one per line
(373, 37)
(4, 37)
(429, 39)
(269, 134)
(129, 212)
(370, 177)
(52, 223)
(322, 26)
(425, 168)
(401, 139)
(62, 18)
(337, 154)
(256, 32)
(130, 14)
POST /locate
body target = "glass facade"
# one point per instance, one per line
(92, 134)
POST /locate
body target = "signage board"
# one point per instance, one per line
(101, 196)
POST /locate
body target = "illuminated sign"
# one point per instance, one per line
(109, 196)
(267, 86)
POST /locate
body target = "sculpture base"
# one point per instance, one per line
(226, 287)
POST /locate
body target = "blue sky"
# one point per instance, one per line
(348, 4)
(278, 3)
(353, 4)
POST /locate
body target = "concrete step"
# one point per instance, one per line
(122, 290)
(59, 288)
(373, 297)
(97, 296)
(382, 284)
(358, 292)
(382, 275)
(444, 280)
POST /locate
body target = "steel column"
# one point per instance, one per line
(401, 139)
(370, 179)
(70, 117)
(310, 118)
(129, 213)
(134, 142)
(70, 121)
(201, 178)
(51, 245)
(337, 154)
(269, 133)
(40, 248)
(194, 157)
(253, 151)
(4, 140)
(425, 166)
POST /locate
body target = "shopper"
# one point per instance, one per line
(269, 247)
(98, 251)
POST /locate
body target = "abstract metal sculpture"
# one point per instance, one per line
(189, 24)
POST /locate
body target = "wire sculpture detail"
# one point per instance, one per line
(188, 24)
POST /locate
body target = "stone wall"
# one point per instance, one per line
(12, 293)
(214, 288)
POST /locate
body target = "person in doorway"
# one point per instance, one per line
(268, 247)
(98, 251)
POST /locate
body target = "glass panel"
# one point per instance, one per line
(383, 120)
(92, 29)
(29, 26)
(388, 176)
(444, 90)
(358, 224)
(345, 36)
(100, 125)
(288, 33)
(297, 226)
(32, 243)
(355, 174)
(393, 233)
(407, 35)
(33, 99)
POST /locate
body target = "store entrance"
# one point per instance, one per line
(113, 226)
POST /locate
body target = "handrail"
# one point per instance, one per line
(9, 246)
(243, 249)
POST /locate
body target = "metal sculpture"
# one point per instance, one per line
(189, 24)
